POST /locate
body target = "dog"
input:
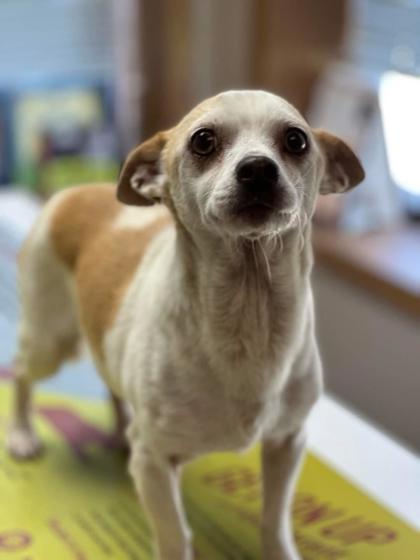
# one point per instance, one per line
(194, 296)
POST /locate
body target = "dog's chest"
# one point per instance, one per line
(203, 373)
(199, 406)
(200, 416)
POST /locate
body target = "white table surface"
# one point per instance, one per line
(386, 470)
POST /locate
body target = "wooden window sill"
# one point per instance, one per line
(386, 263)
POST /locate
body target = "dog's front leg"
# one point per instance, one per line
(157, 483)
(280, 466)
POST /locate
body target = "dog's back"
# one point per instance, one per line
(73, 271)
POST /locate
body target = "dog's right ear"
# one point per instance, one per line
(142, 180)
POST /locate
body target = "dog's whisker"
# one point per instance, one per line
(267, 264)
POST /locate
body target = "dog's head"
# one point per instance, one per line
(242, 164)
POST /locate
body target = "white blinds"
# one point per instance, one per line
(386, 34)
(54, 38)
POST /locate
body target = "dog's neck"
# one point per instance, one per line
(246, 295)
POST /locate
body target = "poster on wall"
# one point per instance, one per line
(62, 136)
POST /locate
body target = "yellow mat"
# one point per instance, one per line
(77, 502)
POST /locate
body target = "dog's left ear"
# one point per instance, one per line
(142, 180)
(343, 170)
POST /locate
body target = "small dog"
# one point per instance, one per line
(195, 300)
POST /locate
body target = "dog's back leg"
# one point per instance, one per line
(48, 331)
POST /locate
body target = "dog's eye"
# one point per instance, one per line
(203, 142)
(296, 141)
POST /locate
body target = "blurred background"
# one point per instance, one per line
(82, 81)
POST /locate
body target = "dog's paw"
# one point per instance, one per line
(23, 443)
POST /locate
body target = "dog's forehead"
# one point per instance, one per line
(240, 109)
(252, 107)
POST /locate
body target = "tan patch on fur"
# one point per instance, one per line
(102, 257)
(147, 154)
(80, 216)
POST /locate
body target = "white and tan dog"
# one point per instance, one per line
(198, 310)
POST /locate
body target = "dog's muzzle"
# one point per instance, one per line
(259, 190)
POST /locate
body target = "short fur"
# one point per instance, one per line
(199, 314)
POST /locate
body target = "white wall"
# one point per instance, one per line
(371, 355)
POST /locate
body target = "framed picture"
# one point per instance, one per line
(63, 134)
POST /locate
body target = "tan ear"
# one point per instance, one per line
(343, 170)
(142, 181)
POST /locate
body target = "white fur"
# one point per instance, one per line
(207, 367)
(213, 345)
(131, 217)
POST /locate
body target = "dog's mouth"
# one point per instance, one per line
(255, 209)
(257, 216)
(253, 216)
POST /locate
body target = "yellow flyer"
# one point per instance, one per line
(77, 502)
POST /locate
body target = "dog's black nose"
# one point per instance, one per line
(257, 170)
